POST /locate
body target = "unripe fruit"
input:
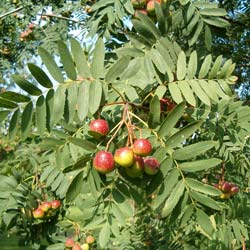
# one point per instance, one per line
(151, 165)
(85, 246)
(69, 243)
(98, 128)
(90, 239)
(136, 170)
(55, 204)
(142, 147)
(76, 246)
(225, 196)
(38, 213)
(138, 3)
(226, 186)
(124, 157)
(235, 189)
(45, 206)
(104, 162)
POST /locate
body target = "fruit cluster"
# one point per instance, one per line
(129, 158)
(146, 7)
(70, 244)
(46, 209)
(28, 34)
(228, 189)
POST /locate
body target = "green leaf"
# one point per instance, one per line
(10, 95)
(59, 103)
(199, 92)
(205, 66)
(184, 2)
(154, 112)
(95, 96)
(40, 75)
(4, 103)
(208, 38)
(160, 17)
(175, 92)
(193, 150)
(26, 85)
(97, 67)
(85, 144)
(83, 100)
(173, 199)
(192, 65)
(104, 235)
(210, 91)
(202, 188)
(216, 67)
(3, 115)
(187, 92)
(197, 32)
(181, 66)
(213, 12)
(49, 107)
(72, 93)
(160, 91)
(158, 60)
(172, 118)
(41, 115)
(117, 69)
(13, 127)
(75, 187)
(217, 22)
(26, 120)
(183, 134)
(67, 60)
(199, 165)
(205, 200)
(50, 64)
(204, 221)
(80, 59)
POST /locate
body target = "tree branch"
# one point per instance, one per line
(11, 12)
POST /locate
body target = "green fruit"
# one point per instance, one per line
(136, 170)
(85, 246)
(124, 157)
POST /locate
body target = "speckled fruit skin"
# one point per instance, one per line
(142, 147)
(124, 157)
(55, 204)
(98, 128)
(69, 243)
(151, 165)
(38, 213)
(136, 170)
(45, 206)
(104, 162)
(90, 239)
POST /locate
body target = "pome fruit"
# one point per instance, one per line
(124, 157)
(98, 128)
(69, 242)
(104, 162)
(234, 189)
(76, 246)
(225, 196)
(45, 206)
(142, 147)
(151, 6)
(151, 165)
(38, 213)
(90, 239)
(85, 246)
(226, 186)
(55, 204)
(136, 170)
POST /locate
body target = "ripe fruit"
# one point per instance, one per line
(124, 157)
(136, 170)
(90, 239)
(98, 128)
(151, 6)
(142, 147)
(226, 186)
(55, 204)
(69, 242)
(151, 165)
(76, 246)
(45, 206)
(104, 162)
(85, 246)
(38, 213)
(235, 189)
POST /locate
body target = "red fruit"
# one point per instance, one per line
(124, 157)
(151, 165)
(136, 170)
(235, 189)
(142, 11)
(151, 6)
(45, 206)
(31, 26)
(104, 162)
(226, 186)
(69, 242)
(142, 147)
(55, 204)
(98, 128)
(38, 213)
(76, 246)
(90, 239)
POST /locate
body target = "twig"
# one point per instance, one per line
(60, 17)
(11, 12)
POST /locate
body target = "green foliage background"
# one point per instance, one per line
(46, 151)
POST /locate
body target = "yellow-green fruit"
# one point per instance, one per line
(225, 196)
(85, 246)
(136, 170)
(124, 157)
